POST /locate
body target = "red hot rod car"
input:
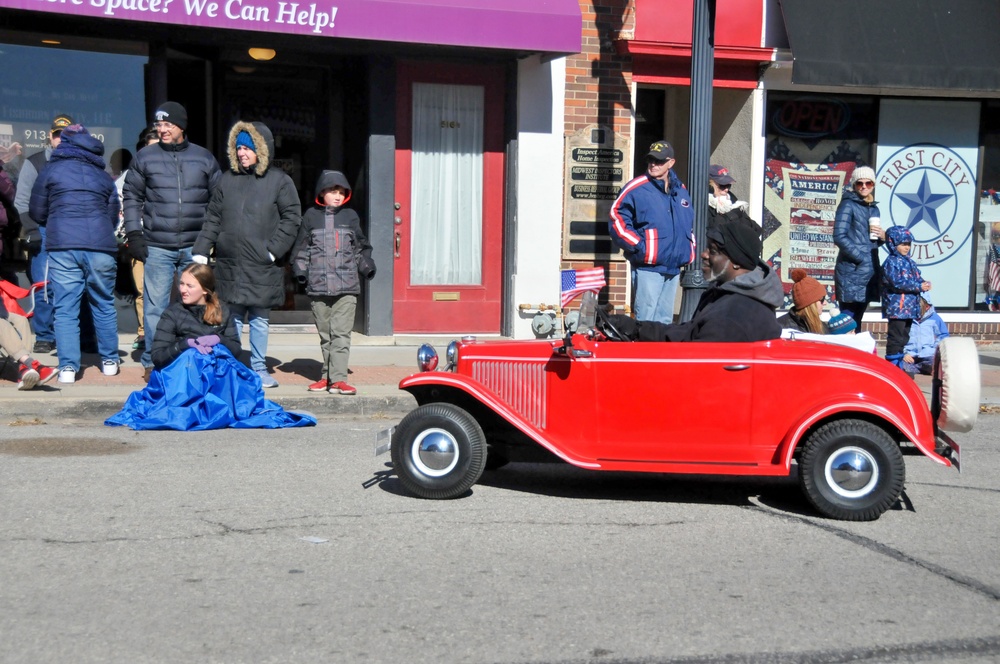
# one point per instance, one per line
(757, 409)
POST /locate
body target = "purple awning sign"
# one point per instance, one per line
(526, 25)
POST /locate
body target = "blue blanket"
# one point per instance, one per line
(198, 392)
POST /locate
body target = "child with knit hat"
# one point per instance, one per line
(841, 323)
(902, 285)
(807, 299)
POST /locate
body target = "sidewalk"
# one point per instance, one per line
(377, 366)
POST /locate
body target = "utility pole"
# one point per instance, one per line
(700, 144)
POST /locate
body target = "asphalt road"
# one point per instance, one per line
(298, 546)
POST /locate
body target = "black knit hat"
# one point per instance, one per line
(738, 241)
(173, 113)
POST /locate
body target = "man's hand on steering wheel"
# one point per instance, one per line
(616, 327)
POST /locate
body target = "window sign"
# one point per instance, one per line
(102, 91)
(926, 183)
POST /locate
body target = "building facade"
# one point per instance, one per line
(805, 91)
(446, 118)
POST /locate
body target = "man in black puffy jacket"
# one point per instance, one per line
(166, 193)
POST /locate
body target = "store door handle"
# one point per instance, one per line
(399, 240)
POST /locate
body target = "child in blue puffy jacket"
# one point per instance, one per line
(901, 289)
(925, 335)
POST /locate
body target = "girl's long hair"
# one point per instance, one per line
(810, 314)
(206, 278)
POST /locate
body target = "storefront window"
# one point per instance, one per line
(102, 91)
(814, 143)
(987, 271)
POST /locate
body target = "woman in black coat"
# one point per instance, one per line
(199, 320)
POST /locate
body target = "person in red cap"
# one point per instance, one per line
(723, 205)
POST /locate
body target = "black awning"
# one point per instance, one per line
(937, 44)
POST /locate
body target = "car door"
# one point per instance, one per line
(675, 402)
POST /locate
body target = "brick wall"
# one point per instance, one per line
(598, 91)
(986, 333)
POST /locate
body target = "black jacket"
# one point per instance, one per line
(251, 214)
(738, 310)
(166, 191)
(331, 251)
(180, 323)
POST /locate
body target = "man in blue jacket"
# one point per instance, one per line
(652, 221)
(77, 202)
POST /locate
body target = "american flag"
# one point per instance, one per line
(994, 275)
(575, 282)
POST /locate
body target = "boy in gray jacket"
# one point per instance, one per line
(331, 255)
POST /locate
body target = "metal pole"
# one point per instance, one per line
(700, 144)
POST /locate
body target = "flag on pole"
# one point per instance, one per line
(575, 282)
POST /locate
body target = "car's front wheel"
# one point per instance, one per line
(851, 470)
(438, 451)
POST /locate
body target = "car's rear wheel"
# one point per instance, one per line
(851, 470)
(438, 451)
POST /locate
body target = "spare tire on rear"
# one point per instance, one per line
(956, 384)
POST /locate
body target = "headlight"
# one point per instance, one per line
(427, 358)
(452, 354)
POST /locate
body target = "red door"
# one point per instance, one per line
(449, 198)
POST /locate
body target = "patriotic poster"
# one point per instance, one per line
(814, 143)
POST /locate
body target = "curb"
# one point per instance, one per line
(100, 409)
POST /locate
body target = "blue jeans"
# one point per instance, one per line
(41, 321)
(654, 295)
(162, 268)
(259, 326)
(76, 273)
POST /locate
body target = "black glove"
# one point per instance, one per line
(136, 245)
(625, 324)
(366, 267)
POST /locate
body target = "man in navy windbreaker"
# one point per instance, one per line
(77, 202)
(652, 221)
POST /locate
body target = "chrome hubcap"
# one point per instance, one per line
(851, 472)
(434, 452)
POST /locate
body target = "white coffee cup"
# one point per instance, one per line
(874, 225)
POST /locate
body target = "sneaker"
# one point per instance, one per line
(44, 347)
(27, 378)
(45, 374)
(342, 388)
(67, 375)
(266, 379)
(319, 386)
(110, 367)
(140, 342)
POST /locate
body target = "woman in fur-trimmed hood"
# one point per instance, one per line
(251, 222)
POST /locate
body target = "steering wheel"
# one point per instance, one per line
(607, 328)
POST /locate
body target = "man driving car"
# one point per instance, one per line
(738, 306)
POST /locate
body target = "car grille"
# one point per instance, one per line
(520, 384)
